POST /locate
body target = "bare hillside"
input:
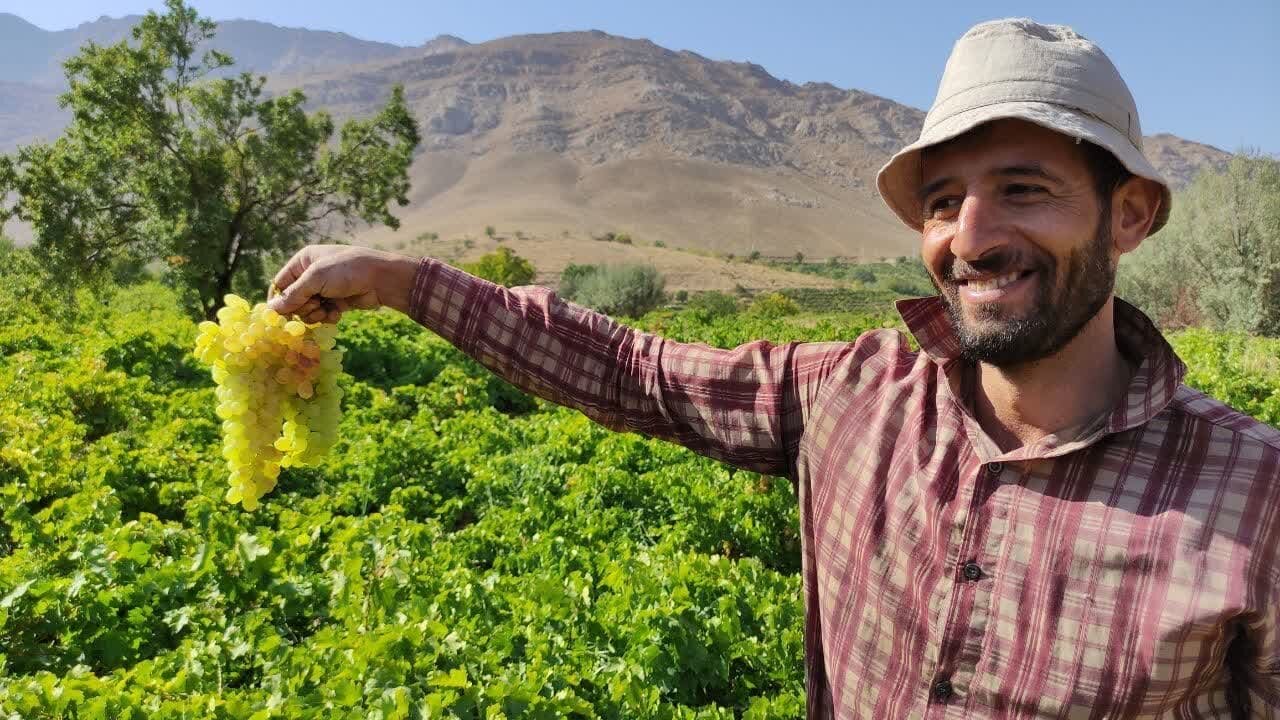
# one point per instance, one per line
(580, 133)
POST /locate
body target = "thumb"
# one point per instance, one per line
(298, 292)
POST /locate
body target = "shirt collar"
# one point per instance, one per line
(1152, 387)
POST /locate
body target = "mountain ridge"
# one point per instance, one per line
(576, 134)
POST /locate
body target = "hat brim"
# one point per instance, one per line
(899, 180)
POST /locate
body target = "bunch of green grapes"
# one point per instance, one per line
(278, 393)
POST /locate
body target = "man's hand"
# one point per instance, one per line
(321, 282)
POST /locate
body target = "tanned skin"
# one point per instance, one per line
(1012, 196)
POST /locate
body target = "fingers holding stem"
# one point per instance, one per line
(316, 309)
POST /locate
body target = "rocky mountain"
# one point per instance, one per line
(571, 135)
(31, 75)
(34, 56)
(1180, 160)
(593, 131)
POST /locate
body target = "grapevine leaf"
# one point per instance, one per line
(8, 600)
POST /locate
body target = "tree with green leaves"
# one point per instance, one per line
(162, 162)
(1217, 261)
(504, 267)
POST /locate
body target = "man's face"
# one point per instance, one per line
(1012, 202)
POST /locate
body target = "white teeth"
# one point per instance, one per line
(999, 282)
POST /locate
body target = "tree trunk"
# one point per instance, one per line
(221, 286)
(222, 283)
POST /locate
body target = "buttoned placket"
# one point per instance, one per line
(963, 632)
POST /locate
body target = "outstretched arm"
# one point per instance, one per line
(746, 406)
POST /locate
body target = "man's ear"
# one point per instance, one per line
(1134, 204)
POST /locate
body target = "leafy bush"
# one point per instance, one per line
(620, 290)
(1224, 230)
(27, 294)
(773, 305)
(707, 306)
(863, 275)
(503, 266)
(903, 287)
(571, 279)
(1240, 370)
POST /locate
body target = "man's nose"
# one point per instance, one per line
(978, 227)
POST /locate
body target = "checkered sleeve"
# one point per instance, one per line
(745, 406)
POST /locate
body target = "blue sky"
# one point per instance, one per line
(1206, 71)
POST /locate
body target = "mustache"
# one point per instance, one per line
(998, 262)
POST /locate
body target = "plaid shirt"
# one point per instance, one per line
(1128, 569)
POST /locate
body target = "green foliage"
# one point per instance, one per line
(707, 306)
(904, 277)
(28, 293)
(208, 176)
(730, 329)
(904, 287)
(455, 556)
(503, 266)
(841, 300)
(465, 551)
(1224, 230)
(572, 277)
(489, 231)
(773, 305)
(620, 290)
(1240, 370)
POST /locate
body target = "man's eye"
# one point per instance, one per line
(1020, 189)
(942, 204)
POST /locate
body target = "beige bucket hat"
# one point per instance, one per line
(1017, 68)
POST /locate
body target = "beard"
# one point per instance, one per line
(1007, 337)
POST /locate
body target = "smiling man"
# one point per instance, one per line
(1022, 244)
(1031, 515)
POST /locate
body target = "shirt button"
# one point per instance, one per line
(942, 690)
(995, 468)
(972, 571)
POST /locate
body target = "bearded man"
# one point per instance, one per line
(1031, 515)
